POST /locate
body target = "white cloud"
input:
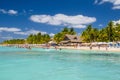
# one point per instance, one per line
(11, 12)
(51, 34)
(29, 32)
(7, 37)
(78, 26)
(9, 29)
(3, 11)
(78, 21)
(19, 31)
(116, 22)
(116, 3)
(116, 7)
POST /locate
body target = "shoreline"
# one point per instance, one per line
(85, 48)
(109, 49)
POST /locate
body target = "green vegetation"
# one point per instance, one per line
(60, 36)
(14, 41)
(38, 38)
(31, 39)
(108, 34)
(90, 34)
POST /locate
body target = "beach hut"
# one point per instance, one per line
(71, 40)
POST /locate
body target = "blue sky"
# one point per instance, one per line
(19, 18)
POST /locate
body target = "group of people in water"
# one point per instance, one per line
(48, 46)
(24, 46)
(44, 47)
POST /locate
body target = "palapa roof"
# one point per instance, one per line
(71, 38)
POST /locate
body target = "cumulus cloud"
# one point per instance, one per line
(11, 12)
(29, 32)
(116, 22)
(6, 29)
(51, 34)
(77, 21)
(116, 3)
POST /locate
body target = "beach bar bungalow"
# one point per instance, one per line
(71, 40)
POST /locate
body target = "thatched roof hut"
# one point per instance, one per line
(71, 39)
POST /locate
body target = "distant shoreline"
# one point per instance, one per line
(104, 49)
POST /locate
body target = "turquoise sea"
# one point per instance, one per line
(51, 64)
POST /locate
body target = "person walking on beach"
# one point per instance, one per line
(99, 47)
(106, 48)
(90, 47)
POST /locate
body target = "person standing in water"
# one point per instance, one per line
(90, 47)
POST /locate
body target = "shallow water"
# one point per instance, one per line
(51, 64)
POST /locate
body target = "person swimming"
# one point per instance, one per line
(60, 49)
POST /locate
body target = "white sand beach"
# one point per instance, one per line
(106, 49)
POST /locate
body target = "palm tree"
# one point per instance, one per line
(58, 37)
(71, 31)
(65, 30)
(87, 34)
(110, 31)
